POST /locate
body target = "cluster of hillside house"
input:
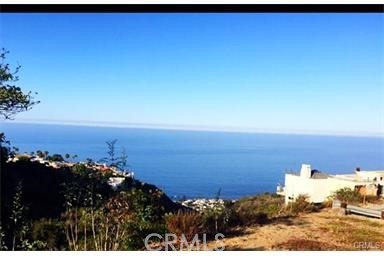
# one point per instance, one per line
(114, 181)
(318, 186)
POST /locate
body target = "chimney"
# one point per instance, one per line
(305, 171)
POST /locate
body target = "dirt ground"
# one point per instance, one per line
(325, 230)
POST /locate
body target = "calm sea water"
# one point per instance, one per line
(198, 164)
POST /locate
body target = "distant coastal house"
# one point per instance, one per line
(318, 185)
(115, 181)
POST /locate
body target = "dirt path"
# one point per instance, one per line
(325, 230)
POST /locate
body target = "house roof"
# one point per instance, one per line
(315, 174)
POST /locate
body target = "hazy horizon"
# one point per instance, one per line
(191, 128)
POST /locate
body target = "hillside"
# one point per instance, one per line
(71, 207)
(46, 208)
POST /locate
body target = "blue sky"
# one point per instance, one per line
(305, 73)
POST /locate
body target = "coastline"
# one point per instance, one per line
(197, 164)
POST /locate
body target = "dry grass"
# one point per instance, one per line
(184, 223)
(350, 231)
(323, 230)
(298, 244)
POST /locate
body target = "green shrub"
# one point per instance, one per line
(51, 232)
(257, 209)
(147, 217)
(56, 158)
(347, 195)
(219, 218)
(301, 205)
(127, 218)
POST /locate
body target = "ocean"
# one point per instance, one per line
(198, 164)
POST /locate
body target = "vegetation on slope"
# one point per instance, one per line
(76, 206)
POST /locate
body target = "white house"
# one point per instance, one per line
(318, 185)
(115, 182)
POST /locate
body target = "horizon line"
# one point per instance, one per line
(202, 128)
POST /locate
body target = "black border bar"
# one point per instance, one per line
(191, 8)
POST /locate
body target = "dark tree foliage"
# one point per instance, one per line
(56, 157)
(44, 187)
(12, 99)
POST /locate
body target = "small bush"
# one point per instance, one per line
(56, 158)
(347, 195)
(301, 205)
(147, 217)
(219, 218)
(258, 209)
(51, 232)
(187, 223)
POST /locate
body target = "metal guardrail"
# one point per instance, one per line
(359, 210)
(364, 211)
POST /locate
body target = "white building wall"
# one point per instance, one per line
(295, 186)
(371, 176)
(321, 190)
(318, 190)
